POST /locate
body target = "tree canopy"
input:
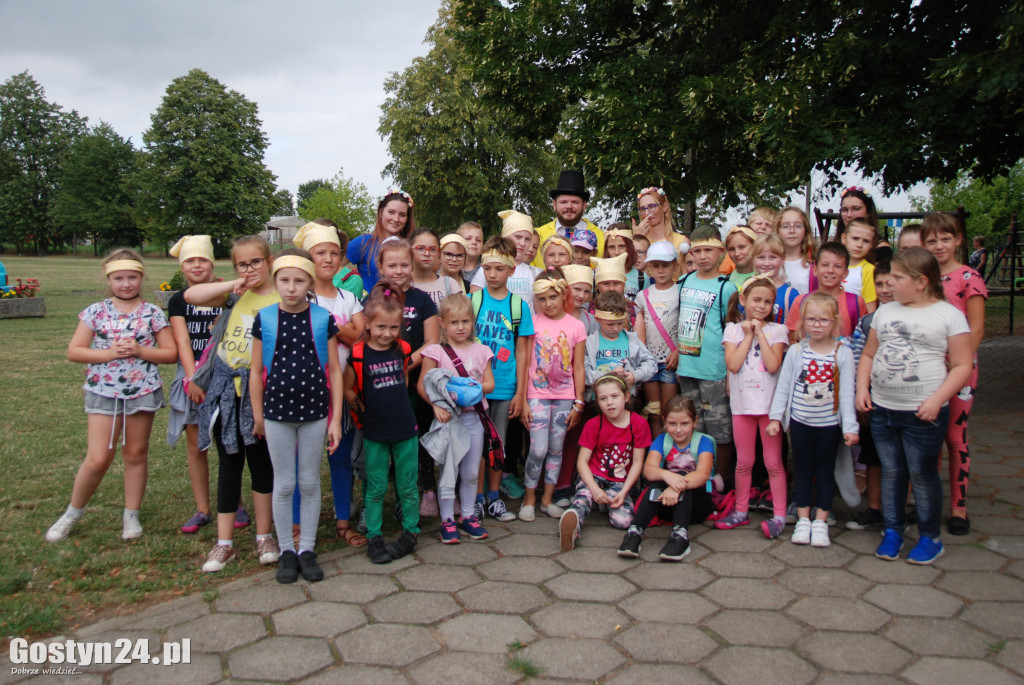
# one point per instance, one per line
(991, 202)
(453, 152)
(344, 201)
(746, 98)
(203, 170)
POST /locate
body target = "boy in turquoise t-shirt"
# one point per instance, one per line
(503, 323)
(703, 301)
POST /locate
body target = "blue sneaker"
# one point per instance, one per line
(892, 542)
(471, 527)
(449, 533)
(926, 551)
(511, 487)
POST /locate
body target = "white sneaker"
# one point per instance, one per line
(496, 510)
(61, 529)
(801, 532)
(267, 550)
(819, 534)
(553, 510)
(131, 528)
(218, 558)
(562, 503)
(527, 513)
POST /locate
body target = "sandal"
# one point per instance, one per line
(351, 537)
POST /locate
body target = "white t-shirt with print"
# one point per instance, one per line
(666, 306)
(519, 283)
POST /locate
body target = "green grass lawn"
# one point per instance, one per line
(48, 588)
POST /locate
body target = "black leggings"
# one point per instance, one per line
(229, 480)
(646, 510)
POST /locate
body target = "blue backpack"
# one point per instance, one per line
(319, 319)
(667, 444)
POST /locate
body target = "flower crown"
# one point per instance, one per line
(648, 191)
(857, 189)
(398, 191)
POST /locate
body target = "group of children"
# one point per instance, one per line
(636, 377)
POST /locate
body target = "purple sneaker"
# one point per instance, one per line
(449, 533)
(198, 520)
(471, 526)
(241, 518)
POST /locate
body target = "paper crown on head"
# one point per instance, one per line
(585, 238)
(555, 239)
(514, 222)
(706, 235)
(621, 232)
(191, 246)
(313, 234)
(577, 273)
(294, 261)
(661, 251)
(742, 229)
(613, 269)
(454, 238)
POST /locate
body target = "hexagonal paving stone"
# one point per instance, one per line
(468, 553)
(659, 673)
(1005, 619)
(463, 668)
(219, 633)
(853, 652)
(824, 582)
(833, 556)
(735, 666)
(600, 535)
(902, 600)
(741, 565)
(437, 578)
(520, 569)
(666, 642)
(203, 669)
(663, 576)
(856, 679)
(414, 607)
(939, 636)
(859, 541)
(595, 560)
(737, 540)
(933, 670)
(1010, 546)
(544, 525)
(261, 599)
(595, 587)
(280, 658)
(838, 613)
(1016, 569)
(351, 674)
(353, 588)
(580, 619)
(756, 628)
(318, 619)
(386, 644)
(1012, 656)
(503, 598)
(969, 558)
(360, 563)
(893, 572)
(747, 593)
(567, 658)
(667, 607)
(485, 632)
(983, 585)
(166, 617)
(651, 546)
(525, 545)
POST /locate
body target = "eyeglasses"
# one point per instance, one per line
(641, 253)
(792, 227)
(818, 323)
(453, 257)
(254, 265)
(423, 249)
(647, 209)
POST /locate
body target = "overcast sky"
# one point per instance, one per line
(315, 68)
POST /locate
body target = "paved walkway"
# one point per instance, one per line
(740, 609)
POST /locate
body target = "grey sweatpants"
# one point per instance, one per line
(296, 451)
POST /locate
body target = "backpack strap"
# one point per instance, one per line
(268, 329)
(515, 306)
(695, 439)
(852, 311)
(723, 306)
(657, 319)
(270, 320)
(835, 378)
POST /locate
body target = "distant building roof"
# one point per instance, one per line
(281, 229)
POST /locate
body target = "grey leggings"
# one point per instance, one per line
(296, 450)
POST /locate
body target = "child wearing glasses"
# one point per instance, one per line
(454, 253)
(426, 257)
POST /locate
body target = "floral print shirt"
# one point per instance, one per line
(123, 378)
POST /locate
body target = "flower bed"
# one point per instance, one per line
(20, 300)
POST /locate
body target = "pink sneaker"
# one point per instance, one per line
(428, 505)
(733, 520)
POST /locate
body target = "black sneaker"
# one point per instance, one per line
(399, 517)
(959, 525)
(377, 551)
(311, 570)
(287, 567)
(675, 549)
(404, 545)
(865, 519)
(630, 546)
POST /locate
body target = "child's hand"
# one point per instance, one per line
(618, 500)
(745, 326)
(773, 428)
(675, 480)
(601, 497)
(333, 434)
(196, 394)
(863, 402)
(851, 439)
(442, 415)
(526, 416)
(670, 497)
(929, 409)
(574, 418)
(354, 402)
(755, 326)
(240, 286)
(515, 407)
(258, 428)
(672, 360)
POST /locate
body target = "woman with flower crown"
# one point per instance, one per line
(394, 219)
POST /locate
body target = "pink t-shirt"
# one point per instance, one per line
(475, 359)
(961, 285)
(751, 390)
(613, 447)
(551, 361)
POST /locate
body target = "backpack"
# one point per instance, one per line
(355, 362)
(722, 307)
(667, 444)
(204, 367)
(318, 319)
(515, 307)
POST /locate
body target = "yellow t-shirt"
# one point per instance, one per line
(861, 280)
(236, 346)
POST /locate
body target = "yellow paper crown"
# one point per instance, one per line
(613, 269)
(577, 273)
(454, 238)
(555, 239)
(191, 246)
(313, 234)
(514, 222)
(123, 265)
(294, 261)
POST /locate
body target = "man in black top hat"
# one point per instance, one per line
(569, 200)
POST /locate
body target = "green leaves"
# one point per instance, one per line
(343, 200)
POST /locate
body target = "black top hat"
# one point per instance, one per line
(571, 183)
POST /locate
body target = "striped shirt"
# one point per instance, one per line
(814, 395)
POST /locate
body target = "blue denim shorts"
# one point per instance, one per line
(664, 375)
